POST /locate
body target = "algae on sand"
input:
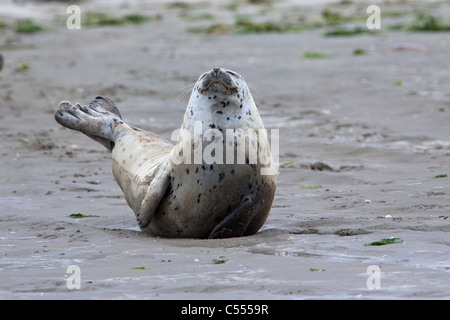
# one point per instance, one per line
(27, 26)
(92, 19)
(81, 215)
(385, 241)
(315, 55)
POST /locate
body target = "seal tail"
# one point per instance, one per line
(97, 120)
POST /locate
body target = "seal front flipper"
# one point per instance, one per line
(236, 222)
(155, 192)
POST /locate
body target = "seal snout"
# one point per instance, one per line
(217, 80)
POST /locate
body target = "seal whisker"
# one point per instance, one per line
(186, 92)
(253, 89)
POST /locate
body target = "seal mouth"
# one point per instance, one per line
(217, 81)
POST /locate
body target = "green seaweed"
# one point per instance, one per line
(81, 215)
(347, 32)
(92, 19)
(332, 18)
(310, 186)
(196, 17)
(219, 260)
(245, 25)
(395, 14)
(23, 67)
(136, 18)
(427, 22)
(215, 28)
(385, 241)
(180, 5)
(261, 2)
(138, 268)
(359, 52)
(441, 176)
(315, 55)
(26, 26)
(397, 27)
(317, 270)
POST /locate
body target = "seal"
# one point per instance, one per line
(191, 189)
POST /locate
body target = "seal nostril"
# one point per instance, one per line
(216, 70)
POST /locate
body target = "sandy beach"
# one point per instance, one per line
(364, 150)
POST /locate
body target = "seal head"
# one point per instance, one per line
(218, 81)
(221, 100)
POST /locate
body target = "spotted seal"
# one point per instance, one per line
(193, 189)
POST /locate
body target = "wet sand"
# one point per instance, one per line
(370, 134)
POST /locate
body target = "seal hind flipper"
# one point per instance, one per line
(235, 223)
(101, 104)
(97, 120)
(155, 193)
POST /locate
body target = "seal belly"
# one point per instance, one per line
(201, 196)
